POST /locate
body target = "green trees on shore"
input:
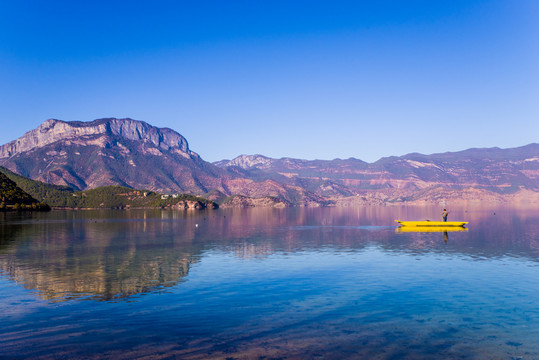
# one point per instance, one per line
(20, 193)
(12, 197)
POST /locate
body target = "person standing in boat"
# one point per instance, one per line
(444, 215)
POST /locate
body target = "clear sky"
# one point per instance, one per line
(303, 79)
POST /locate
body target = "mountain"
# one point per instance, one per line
(494, 170)
(134, 154)
(137, 155)
(321, 177)
(107, 152)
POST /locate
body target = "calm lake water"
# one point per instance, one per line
(329, 283)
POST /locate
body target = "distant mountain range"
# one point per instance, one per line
(135, 154)
(499, 170)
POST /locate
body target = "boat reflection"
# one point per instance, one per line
(429, 229)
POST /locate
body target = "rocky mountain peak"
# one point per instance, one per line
(54, 130)
(248, 162)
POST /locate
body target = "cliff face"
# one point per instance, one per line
(53, 130)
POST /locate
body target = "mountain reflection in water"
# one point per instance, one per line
(336, 283)
(103, 255)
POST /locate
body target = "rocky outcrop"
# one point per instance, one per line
(193, 205)
(244, 201)
(248, 162)
(53, 130)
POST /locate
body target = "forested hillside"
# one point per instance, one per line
(101, 197)
(13, 197)
(47, 193)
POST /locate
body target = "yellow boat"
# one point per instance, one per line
(427, 229)
(428, 223)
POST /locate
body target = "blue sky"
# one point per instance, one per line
(302, 79)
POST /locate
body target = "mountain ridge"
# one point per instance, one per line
(236, 159)
(129, 153)
(492, 168)
(54, 130)
(135, 154)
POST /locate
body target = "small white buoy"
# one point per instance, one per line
(196, 225)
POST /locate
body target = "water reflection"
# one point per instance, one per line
(103, 255)
(90, 255)
(287, 283)
(444, 230)
(427, 229)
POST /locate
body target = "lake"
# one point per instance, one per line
(298, 283)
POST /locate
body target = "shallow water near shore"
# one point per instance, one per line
(328, 283)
